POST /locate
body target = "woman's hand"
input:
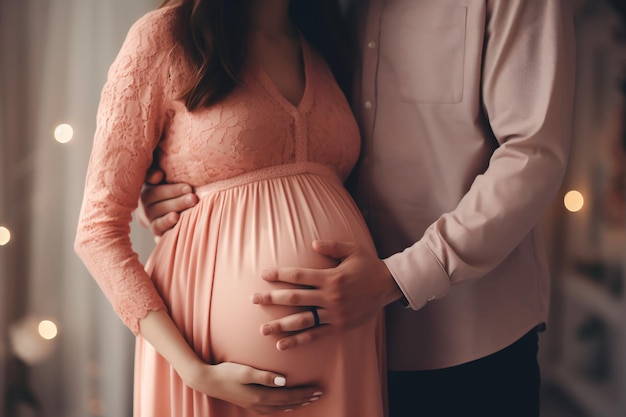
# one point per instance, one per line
(261, 391)
(250, 388)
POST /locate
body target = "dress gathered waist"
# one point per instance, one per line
(275, 171)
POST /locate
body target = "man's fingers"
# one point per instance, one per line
(334, 249)
(298, 276)
(288, 297)
(171, 205)
(152, 194)
(304, 338)
(294, 322)
(163, 224)
(155, 176)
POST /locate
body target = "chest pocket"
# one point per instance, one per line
(423, 42)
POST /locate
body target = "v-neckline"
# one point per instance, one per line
(272, 88)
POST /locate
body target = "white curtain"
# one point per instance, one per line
(54, 55)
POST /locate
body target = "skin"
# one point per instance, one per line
(242, 385)
(273, 38)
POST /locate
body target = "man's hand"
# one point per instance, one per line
(346, 296)
(161, 204)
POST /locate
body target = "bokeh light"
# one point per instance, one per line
(27, 341)
(47, 329)
(5, 235)
(574, 201)
(63, 133)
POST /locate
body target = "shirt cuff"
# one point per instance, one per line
(419, 274)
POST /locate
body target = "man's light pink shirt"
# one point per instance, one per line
(465, 107)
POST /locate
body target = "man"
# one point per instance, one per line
(465, 109)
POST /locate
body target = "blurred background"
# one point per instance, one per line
(62, 350)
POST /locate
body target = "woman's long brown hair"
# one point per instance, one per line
(214, 34)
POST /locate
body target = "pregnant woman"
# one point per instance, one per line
(236, 99)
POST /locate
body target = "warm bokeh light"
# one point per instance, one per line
(574, 201)
(63, 133)
(27, 338)
(47, 329)
(5, 235)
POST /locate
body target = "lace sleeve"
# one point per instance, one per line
(129, 124)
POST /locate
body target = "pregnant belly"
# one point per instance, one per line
(272, 224)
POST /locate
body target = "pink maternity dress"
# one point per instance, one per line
(269, 176)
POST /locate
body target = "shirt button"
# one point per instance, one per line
(368, 105)
(371, 44)
(431, 298)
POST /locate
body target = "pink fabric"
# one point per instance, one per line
(465, 109)
(269, 175)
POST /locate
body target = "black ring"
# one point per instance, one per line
(316, 317)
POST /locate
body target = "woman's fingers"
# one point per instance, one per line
(283, 399)
(266, 378)
(255, 389)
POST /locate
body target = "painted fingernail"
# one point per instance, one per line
(266, 330)
(280, 381)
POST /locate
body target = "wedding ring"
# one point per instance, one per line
(316, 317)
